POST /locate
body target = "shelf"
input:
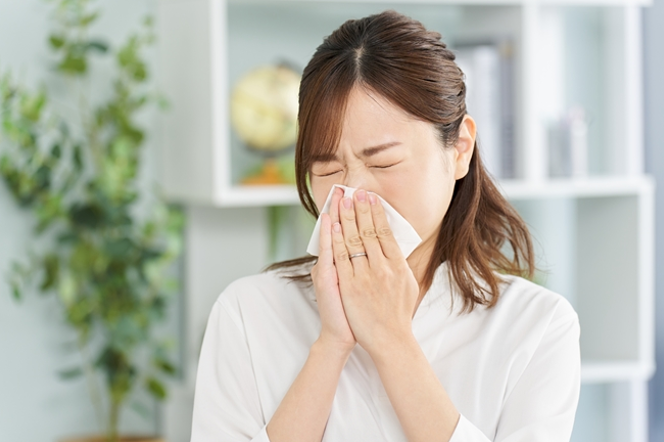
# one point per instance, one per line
(602, 372)
(247, 196)
(514, 190)
(576, 187)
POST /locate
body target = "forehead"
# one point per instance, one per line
(371, 120)
(365, 107)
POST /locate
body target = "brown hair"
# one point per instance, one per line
(396, 57)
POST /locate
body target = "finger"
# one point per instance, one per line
(366, 228)
(351, 235)
(334, 205)
(384, 233)
(341, 261)
(325, 241)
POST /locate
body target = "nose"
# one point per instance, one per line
(356, 177)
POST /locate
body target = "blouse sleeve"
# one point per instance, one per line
(542, 404)
(226, 402)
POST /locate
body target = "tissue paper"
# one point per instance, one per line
(404, 233)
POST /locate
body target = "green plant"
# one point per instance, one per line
(109, 247)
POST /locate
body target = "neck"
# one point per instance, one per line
(418, 261)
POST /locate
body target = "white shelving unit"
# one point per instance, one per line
(594, 232)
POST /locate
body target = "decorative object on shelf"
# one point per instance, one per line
(264, 115)
(488, 67)
(108, 244)
(568, 145)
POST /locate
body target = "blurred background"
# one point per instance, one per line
(146, 153)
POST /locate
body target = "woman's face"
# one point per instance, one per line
(385, 150)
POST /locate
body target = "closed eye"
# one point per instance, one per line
(337, 171)
(384, 167)
(326, 174)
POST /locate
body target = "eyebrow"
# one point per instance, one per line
(366, 152)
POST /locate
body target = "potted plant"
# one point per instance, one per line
(110, 246)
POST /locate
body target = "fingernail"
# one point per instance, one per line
(372, 199)
(361, 195)
(348, 203)
(336, 227)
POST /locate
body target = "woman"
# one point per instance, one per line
(362, 343)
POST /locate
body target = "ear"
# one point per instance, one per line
(464, 147)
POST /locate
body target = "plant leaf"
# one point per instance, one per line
(87, 215)
(16, 292)
(156, 388)
(88, 19)
(71, 373)
(73, 64)
(51, 269)
(67, 289)
(98, 46)
(78, 161)
(56, 41)
(165, 366)
(56, 151)
(67, 238)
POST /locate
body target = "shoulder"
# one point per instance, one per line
(541, 330)
(264, 294)
(525, 316)
(528, 316)
(528, 323)
(251, 286)
(525, 300)
(268, 284)
(269, 309)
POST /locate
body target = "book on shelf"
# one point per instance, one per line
(488, 67)
(567, 143)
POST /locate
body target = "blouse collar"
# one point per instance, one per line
(440, 290)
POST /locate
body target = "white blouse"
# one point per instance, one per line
(512, 371)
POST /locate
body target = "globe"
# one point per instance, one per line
(264, 108)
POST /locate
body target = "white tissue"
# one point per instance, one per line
(403, 232)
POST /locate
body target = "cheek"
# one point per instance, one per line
(320, 189)
(422, 196)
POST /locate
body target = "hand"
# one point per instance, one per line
(335, 330)
(379, 291)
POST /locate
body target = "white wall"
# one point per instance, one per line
(34, 404)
